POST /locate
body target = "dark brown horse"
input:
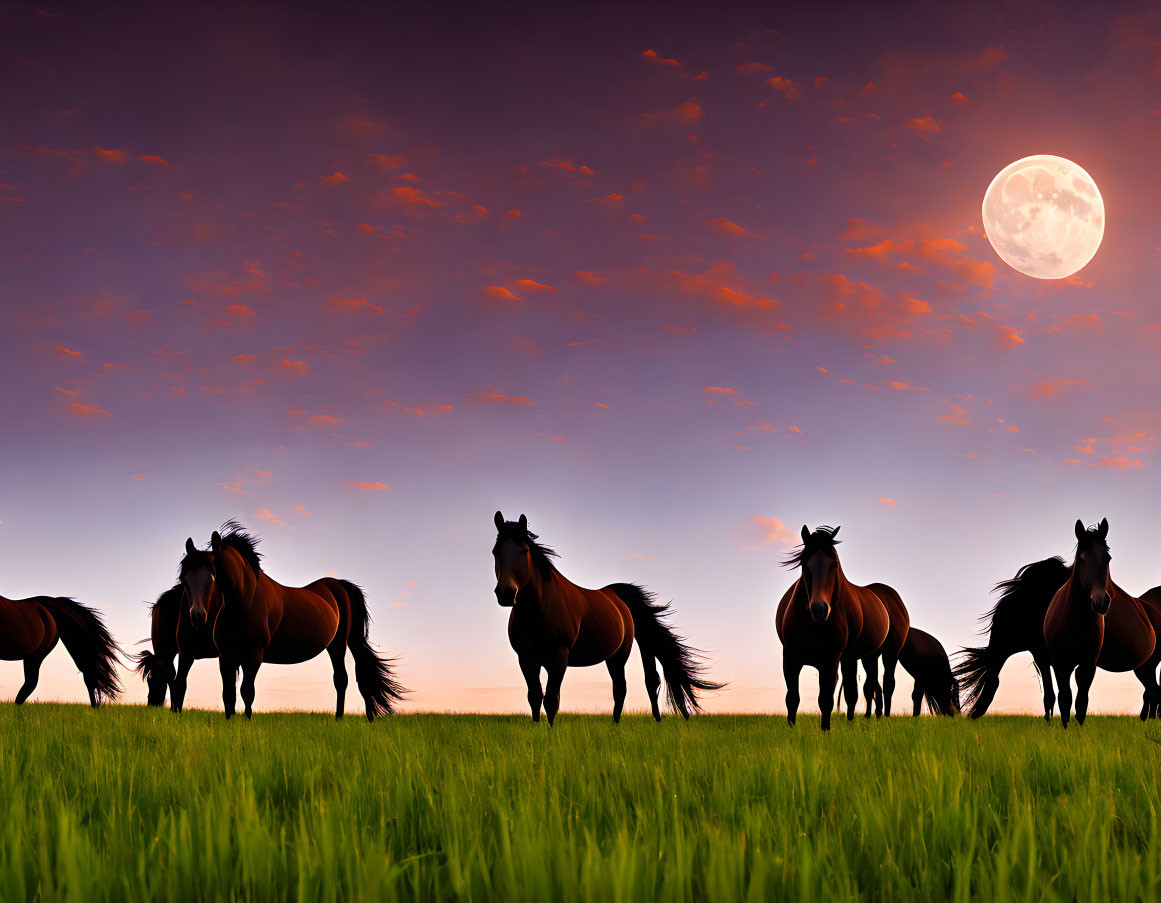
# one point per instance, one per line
(30, 628)
(262, 621)
(826, 622)
(556, 624)
(1081, 615)
(925, 659)
(1016, 624)
(174, 636)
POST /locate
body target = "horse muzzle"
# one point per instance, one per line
(198, 619)
(506, 596)
(819, 611)
(1101, 604)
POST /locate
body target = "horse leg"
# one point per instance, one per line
(1044, 668)
(827, 678)
(617, 673)
(229, 671)
(917, 699)
(871, 685)
(31, 678)
(1148, 678)
(178, 687)
(251, 662)
(790, 671)
(531, 672)
(556, 669)
(850, 674)
(1064, 690)
(1084, 676)
(338, 653)
(652, 683)
(889, 663)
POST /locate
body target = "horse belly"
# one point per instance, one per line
(302, 634)
(22, 630)
(1129, 638)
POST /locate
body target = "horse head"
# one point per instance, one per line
(513, 557)
(198, 578)
(1091, 568)
(820, 570)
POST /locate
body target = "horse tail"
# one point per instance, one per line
(681, 664)
(941, 689)
(976, 666)
(92, 648)
(381, 691)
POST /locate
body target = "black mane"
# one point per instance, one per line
(236, 537)
(542, 555)
(822, 538)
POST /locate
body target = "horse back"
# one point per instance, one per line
(1130, 635)
(900, 620)
(26, 628)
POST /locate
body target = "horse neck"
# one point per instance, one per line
(1077, 600)
(236, 580)
(542, 589)
(842, 586)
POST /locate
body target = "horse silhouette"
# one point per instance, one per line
(261, 620)
(826, 622)
(555, 624)
(1076, 621)
(174, 636)
(925, 659)
(30, 628)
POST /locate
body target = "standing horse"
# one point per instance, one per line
(554, 624)
(30, 628)
(174, 636)
(1016, 624)
(262, 621)
(925, 659)
(1075, 624)
(826, 622)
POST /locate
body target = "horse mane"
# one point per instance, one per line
(1035, 578)
(170, 595)
(822, 538)
(542, 555)
(235, 536)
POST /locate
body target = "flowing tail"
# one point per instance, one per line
(681, 664)
(381, 691)
(92, 648)
(942, 692)
(156, 672)
(977, 666)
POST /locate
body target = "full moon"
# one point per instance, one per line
(1044, 216)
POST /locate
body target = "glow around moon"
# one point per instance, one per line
(1044, 216)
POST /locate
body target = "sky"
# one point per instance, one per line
(672, 283)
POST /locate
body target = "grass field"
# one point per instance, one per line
(129, 804)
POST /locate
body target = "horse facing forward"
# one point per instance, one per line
(30, 628)
(1075, 624)
(826, 622)
(261, 620)
(555, 624)
(175, 636)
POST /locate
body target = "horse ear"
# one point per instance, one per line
(835, 533)
(499, 520)
(1079, 529)
(189, 546)
(216, 541)
(523, 523)
(805, 534)
(1103, 529)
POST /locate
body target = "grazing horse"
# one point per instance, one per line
(826, 622)
(1016, 624)
(262, 621)
(174, 636)
(1075, 624)
(925, 659)
(554, 624)
(29, 629)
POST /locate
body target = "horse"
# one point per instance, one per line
(30, 628)
(925, 659)
(1075, 623)
(174, 636)
(555, 624)
(890, 651)
(1016, 624)
(261, 620)
(826, 622)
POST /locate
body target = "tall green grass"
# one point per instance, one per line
(126, 803)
